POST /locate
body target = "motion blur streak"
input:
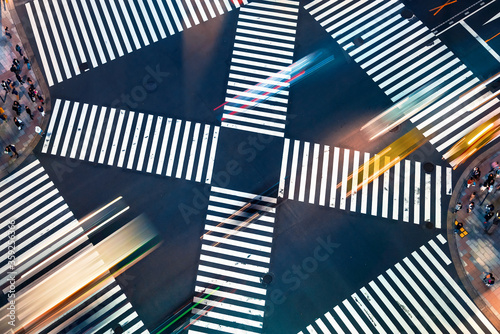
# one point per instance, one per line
(274, 84)
(54, 293)
(480, 86)
(385, 159)
(100, 210)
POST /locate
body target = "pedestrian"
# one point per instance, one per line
(39, 130)
(476, 173)
(458, 226)
(15, 92)
(28, 111)
(489, 208)
(18, 49)
(41, 111)
(13, 68)
(18, 77)
(10, 83)
(470, 207)
(32, 96)
(472, 196)
(488, 279)
(458, 206)
(30, 82)
(5, 86)
(7, 33)
(40, 97)
(27, 62)
(15, 107)
(11, 150)
(488, 216)
(2, 115)
(18, 123)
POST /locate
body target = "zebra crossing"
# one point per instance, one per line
(123, 139)
(43, 226)
(259, 75)
(74, 35)
(403, 57)
(417, 295)
(235, 255)
(312, 173)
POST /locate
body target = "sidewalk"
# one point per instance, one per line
(26, 139)
(477, 252)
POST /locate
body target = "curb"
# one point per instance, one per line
(450, 236)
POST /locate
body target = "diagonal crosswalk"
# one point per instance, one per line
(131, 140)
(235, 255)
(45, 226)
(257, 91)
(312, 172)
(73, 36)
(416, 295)
(403, 57)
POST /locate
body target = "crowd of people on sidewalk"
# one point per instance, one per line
(15, 87)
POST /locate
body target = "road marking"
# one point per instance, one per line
(97, 135)
(395, 206)
(480, 40)
(354, 182)
(135, 140)
(324, 175)
(385, 193)
(67, 40)
(154, 146)
(345, 320)
(111, 29)
(211, 159)
(182, 156)
(93, 31)
(303, 176)
(343, 187)
(60, 127)
(406, 196)
(164, 147)
(192, 154)
(416, 210)
(109, 126)
(356, 316)
(427, 198)
(334, 324)
(144, 144)
(102, 30)
(203, 151)
(173, 147)
(284, 162)
(79, 131)
(126, 137)
(165, 18)
(376, 164)
(293, 173)
(138, 22)
(69, 130)
(118, 19)
(86, 39)
(379, 311)
(364, 189)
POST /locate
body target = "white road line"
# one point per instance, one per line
(144, 144)
(449, 187)
(109, 126)
(233, 264)
(102, 31)
(229, 273)
(114, 145)
(83, 31)
(203, 151)
(165, 17)
(303, 174)
(229, 252)
(192, 153)
(157, 19)
(438, 197)
(364, 189)
(183, 13)
(97, 135)
(385, 196)
(293, 173)
(335, 173)
(267, 20)
(111, 29)
(192, 12)
(334, 323)
(345, 173)
(138, 21)
(244, 194)
(354, 182)
(57, 39)
(182, 156)
(480, 40)
(164, 147)
(174, 15)
(201, 10)
(67, 40)
(41, 49)
(395, 205)
(376, 164)
(406, 196)
(69, 129)
(237, 243)
(439, 251)
(93, 31)
(173, 147)
(368, 314)
(322, 326)
(135, 140)
(154, 145)
(60, 128)
(253, 129)
(79, 131)
(345, 320)
(427, 212)
(211, 158)
(284, 163)
(210, 8)
(130, 27)
(118, 19)
(416, 210)
(88, 133)
(324, 175)
(311, 329)
(447, 278)
(356, 316)
(379, 311)
(74, 32)
(391, 308)
(148, 20)
(126, 137)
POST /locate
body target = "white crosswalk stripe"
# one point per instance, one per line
(85, 25)
(257, 91)
(235, 256)
(435, 303)
(345, 164)
(46, 227)
(186, 156)
(404, 58)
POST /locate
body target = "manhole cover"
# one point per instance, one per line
(395, 129)
(358, 41)
(267, 279)
(429, 225)
(406, 13)
(428, 167)
(84, 67)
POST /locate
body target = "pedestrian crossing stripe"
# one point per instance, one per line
(257, 91)
(131, 140)
(43, 225)
(403, 57)
(235, 255)
(108, 29)
(312, 173)
(381, 305)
